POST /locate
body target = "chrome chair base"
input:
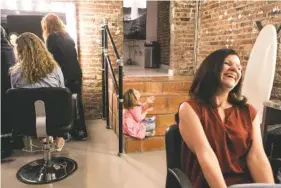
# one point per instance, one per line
(43, 172)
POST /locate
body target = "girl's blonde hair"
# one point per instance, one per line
(51, 23)
(33, 59)
(130, 99)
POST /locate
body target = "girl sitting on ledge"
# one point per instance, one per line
(135, 123)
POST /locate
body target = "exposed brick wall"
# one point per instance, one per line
(182, 36)
(276, 91)
(233, 25)
(90, 15)
(163, 31)
(225, 24)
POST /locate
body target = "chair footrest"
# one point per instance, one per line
(37, 172)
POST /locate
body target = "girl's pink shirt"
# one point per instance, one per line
(132, 124)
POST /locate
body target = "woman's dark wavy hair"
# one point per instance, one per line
(207, 80)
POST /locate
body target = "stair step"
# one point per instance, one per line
(159, 84)
(147, 144)
(163, 122)
(166, 102)
(179, 93)
(162, 103)
(158, 87)
(157, 78)
(169, 92)
(162, 111)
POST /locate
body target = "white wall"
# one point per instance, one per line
(137, 51)
(151, 21)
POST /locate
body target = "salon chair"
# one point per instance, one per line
(42, 112)
(175, 177)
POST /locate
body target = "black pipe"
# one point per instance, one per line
(120, 74)
(106, 82)
(278, 30)
(259, 25)
(112, 42)
(112, 73)
(103, 73)
(119, 89)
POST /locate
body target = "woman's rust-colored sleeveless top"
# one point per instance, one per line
(230, 140)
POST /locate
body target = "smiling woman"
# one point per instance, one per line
(210, 77)
(222, 144)
(231, 71)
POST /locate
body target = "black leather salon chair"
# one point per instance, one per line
(175, 177)
(42, 112)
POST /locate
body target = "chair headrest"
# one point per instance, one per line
(27, 96)
(43, 91)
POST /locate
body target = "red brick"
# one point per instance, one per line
(244, 32)
(90, 15)
(163, 31)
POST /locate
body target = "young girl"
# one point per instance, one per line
(134, 122)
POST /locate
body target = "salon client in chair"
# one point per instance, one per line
(221, 131)
(35, 68)
(62, 46)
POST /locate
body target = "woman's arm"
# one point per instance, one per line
(12, 82)
(194, 136)
(60, 77)
(14, 78)
(257, 161)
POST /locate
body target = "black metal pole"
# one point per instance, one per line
(106, 79)
(113, 75)
(120, 74)
(103, 72)
(112, 42)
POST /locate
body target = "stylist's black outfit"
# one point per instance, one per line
(7, 60)
(63, 49)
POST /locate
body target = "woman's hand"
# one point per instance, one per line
(150, 99)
